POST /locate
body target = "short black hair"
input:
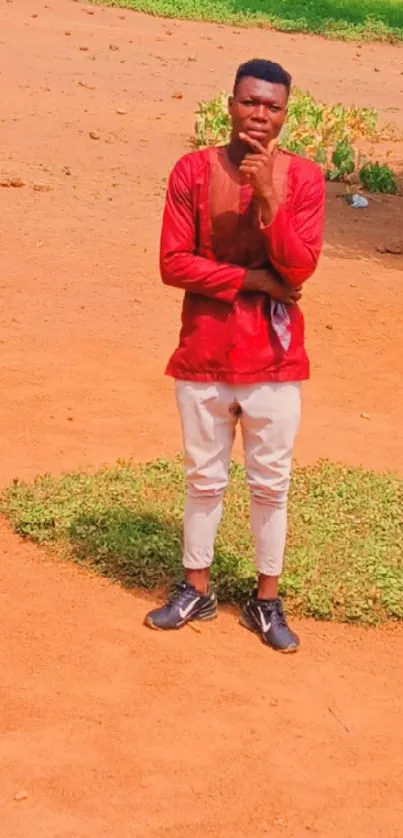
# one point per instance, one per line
(259, 68)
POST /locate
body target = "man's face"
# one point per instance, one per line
(258, 108)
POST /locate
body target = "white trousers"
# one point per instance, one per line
(269, 415)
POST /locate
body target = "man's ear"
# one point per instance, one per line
(230, 104)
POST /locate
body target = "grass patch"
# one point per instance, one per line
(345, 548)
(374, 20)
(327, 134)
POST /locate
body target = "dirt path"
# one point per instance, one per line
(111, 730)
(114, 731)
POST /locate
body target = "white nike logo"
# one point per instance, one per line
(265, 626)
(184, 612)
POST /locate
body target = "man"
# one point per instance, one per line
(242, 231)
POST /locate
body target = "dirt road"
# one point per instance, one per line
(108, 729)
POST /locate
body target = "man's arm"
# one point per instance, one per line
(181, 268)
(179, 265)
(295, 235)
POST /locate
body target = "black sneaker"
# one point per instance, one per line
(186, 604)
(266, 618)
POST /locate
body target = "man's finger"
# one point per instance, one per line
(255, 158)
(253, 164)
(249, 167)
(272, 146)
(255, 144)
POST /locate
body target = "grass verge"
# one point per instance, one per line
(371, 20)
(345, 548)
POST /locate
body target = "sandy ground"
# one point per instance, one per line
(111, 730)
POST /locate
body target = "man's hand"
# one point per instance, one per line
(258, 169)
(263, 281)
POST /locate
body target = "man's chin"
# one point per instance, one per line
(259, 136)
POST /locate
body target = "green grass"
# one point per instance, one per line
(327, 134)
(345, 549)
(375, 20)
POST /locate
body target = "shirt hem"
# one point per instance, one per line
(225, 377)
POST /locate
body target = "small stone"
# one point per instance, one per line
(83, 49)
(376, 70)
(21, 795)
(329, 326)
(365, 416)
(42, 187)
(395, 248)
(113, 47)
(67, 32)
(94, 135)
(17, 182)
(121, 111)
(177, 96)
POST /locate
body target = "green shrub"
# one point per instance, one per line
(327, 134)
(377, 177)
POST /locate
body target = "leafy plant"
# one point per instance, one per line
(377, 177)
(327, 134)
(345, 545)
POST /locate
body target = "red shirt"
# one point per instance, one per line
(211, 235)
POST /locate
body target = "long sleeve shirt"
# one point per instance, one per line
(211, 236)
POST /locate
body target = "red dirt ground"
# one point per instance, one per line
(108, 729)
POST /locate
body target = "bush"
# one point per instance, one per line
(327, 134)
(378, 178)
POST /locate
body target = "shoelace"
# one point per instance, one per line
(275, 610)
(180, 591)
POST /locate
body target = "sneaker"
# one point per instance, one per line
(267, 619)
(186, 604)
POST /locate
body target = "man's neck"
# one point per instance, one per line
(236, 151)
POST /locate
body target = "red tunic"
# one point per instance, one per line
(211, 235)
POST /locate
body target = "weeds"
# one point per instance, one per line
(327, 134)
(378, 178)
(345, 547)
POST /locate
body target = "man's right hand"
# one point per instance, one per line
(263, 281)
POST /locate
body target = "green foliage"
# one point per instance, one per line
(345, 548)
(371, 20)
(327, 134)
(377, 177)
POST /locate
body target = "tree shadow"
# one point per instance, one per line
(137, 549)
(144, 551)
